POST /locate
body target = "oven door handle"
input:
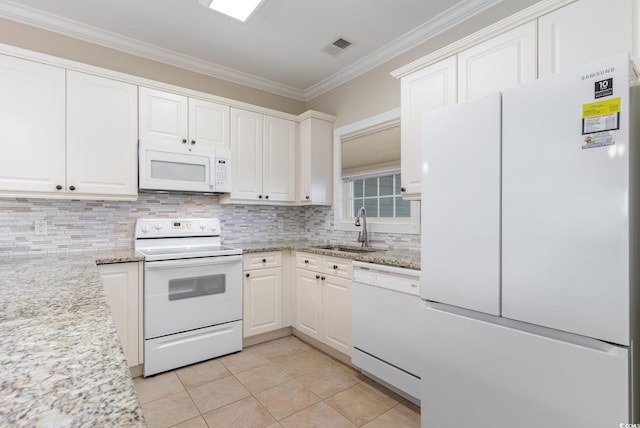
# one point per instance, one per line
(201, 261)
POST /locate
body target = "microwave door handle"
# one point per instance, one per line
(204, 261)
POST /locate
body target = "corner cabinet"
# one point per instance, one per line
(179, 119)
(323, 299)
(262, 305)
(66, 134)
(123, 289)
(315, 160)
(263, 153)
(428, 89)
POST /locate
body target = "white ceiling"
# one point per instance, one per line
(281, 48)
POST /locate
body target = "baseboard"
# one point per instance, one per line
(343, 358)
(265, 337)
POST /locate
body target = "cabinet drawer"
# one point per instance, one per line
(342, 268)
(262, 260)
(309, 261)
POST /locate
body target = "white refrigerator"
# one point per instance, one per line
(530, 265)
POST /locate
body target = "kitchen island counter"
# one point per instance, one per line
(61, 363)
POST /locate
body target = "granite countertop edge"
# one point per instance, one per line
(405, 259)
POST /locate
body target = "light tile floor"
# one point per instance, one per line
(281, 383)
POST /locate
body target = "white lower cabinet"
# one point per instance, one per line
(123, 286)
(263, 293)
(323, 299)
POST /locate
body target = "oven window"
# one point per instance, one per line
(186, 288)
(178, 171)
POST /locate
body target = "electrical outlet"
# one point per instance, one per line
(40, 227)
(280, 224)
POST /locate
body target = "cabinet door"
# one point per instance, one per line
(262, 301)
(336, 313)
(163, 116)
(315, 162)
(428, 89)
(278, 159)
(585, 31)
(246, 153)
(208, 124)
(32, 134)
(499, 63)
(102, 135)
(122, 289)
(309, 303)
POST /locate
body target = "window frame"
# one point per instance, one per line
(341, 210)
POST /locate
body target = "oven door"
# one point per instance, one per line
(182, 295)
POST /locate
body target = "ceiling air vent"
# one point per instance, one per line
(337, 47)
(342, 43)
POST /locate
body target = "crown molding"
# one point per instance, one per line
(447, 19)
(451, 17)
(524, 16)
(78, 30)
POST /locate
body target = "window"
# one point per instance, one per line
(380, 196)
(367, 174)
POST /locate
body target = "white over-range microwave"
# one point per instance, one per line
(184, 168)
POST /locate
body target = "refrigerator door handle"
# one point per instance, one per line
(562, 336)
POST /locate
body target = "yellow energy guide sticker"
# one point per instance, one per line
(601, 116)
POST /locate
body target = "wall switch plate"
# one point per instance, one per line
(280, 224)
(40, 227)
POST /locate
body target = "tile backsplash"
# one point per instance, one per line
(106, 225)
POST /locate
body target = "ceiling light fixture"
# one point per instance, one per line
(238, 9)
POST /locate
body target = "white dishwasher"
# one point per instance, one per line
(386, 318)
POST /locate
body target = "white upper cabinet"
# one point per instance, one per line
(585, 31)
(499, 63)
(74, 142)
(428, 89)
(174, 118)
(246, 154)
(263, 153)
(32, 130)
(315, 162)
(102, 135)
(208, 123)
(278, 159)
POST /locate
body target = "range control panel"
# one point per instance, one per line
(166, 228)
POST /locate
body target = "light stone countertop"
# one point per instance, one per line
(405, 258)
(61, 363)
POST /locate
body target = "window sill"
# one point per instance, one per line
(379, 227)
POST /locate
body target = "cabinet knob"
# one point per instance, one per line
(266, 197)
(306, 261)
(264, 260)
(317, 276)
(247, 275)
(59, 187)
(307, 197)
(259, 196)
(184, 141)
(193, 142)
(335, 267)
(403, 189)
(72, 187)
(322, 278)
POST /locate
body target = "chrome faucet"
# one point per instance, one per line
(362, 235)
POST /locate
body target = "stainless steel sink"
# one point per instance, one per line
(346, 248)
